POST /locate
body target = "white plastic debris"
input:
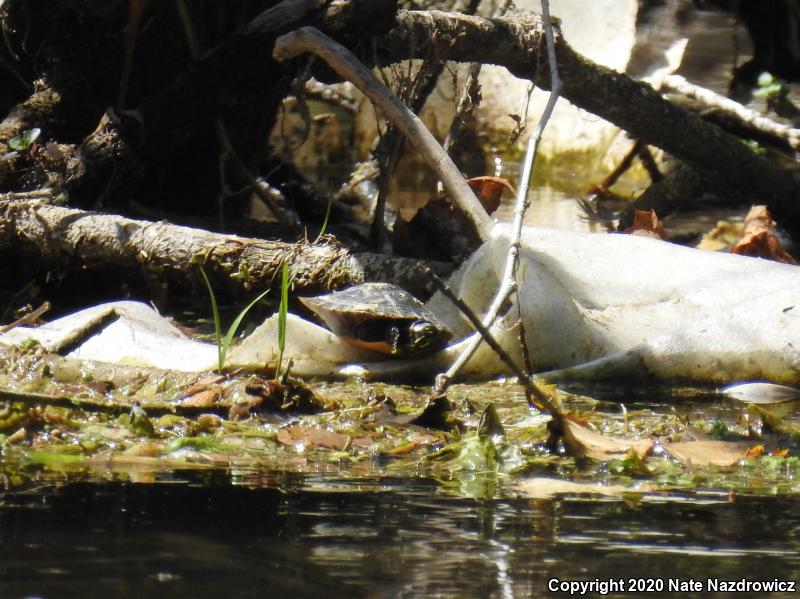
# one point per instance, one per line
(594, 306)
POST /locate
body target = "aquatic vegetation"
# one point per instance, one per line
(224, 343)
(492, 444)
(283, 310)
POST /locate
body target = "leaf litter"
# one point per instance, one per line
(482, 440)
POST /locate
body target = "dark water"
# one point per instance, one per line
(211, 535)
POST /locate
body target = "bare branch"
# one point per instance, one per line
(509, 281)
(746, 117)
(308, 39)
(57, 238)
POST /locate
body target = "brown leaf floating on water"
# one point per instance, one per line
(312, 437)
(759, 239)
(755, 452)
(583, 442)
(203, 399)
(707, 453)
(646, 224)
(544, 488)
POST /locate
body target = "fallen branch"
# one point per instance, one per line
(53, 238)
(348, 66)
(631, 105)
(746, 118)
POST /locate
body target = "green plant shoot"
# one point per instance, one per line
(224, 343)
(282, 311)
(25, 139)
(327, 217)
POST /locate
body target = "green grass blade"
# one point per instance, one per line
(226, 343)
(217, 323)
(327, 217)
(282, 311)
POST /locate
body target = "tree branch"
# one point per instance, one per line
(632, 105)
(63, 238)
(348, 66)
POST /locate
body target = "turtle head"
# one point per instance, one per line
(414, 339)
(422, 335)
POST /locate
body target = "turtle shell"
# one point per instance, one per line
(381, 317)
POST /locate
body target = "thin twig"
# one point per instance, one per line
(29, 318)
(649, 163)
(308, 39)
(537, 398)
(509, 280)
(624, 164)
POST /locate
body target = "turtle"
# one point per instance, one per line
(381, 317)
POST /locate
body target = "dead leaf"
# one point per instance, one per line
(763, 245)
(414, 442)
(313, 437)
(758, 219)
(203, 384)
(759, 239)
(403, 449)
(707, 453)
(721, 237)
(203, 399)
(583, 442)
(544, 488)
(755, 452)
(489, 191)
(646, 224)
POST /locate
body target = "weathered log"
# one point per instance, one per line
(518, 44)
(63, 238)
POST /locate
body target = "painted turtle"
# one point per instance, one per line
(381, 317)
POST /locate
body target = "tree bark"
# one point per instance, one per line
(66, 238)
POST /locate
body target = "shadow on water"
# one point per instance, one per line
(211, 535)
